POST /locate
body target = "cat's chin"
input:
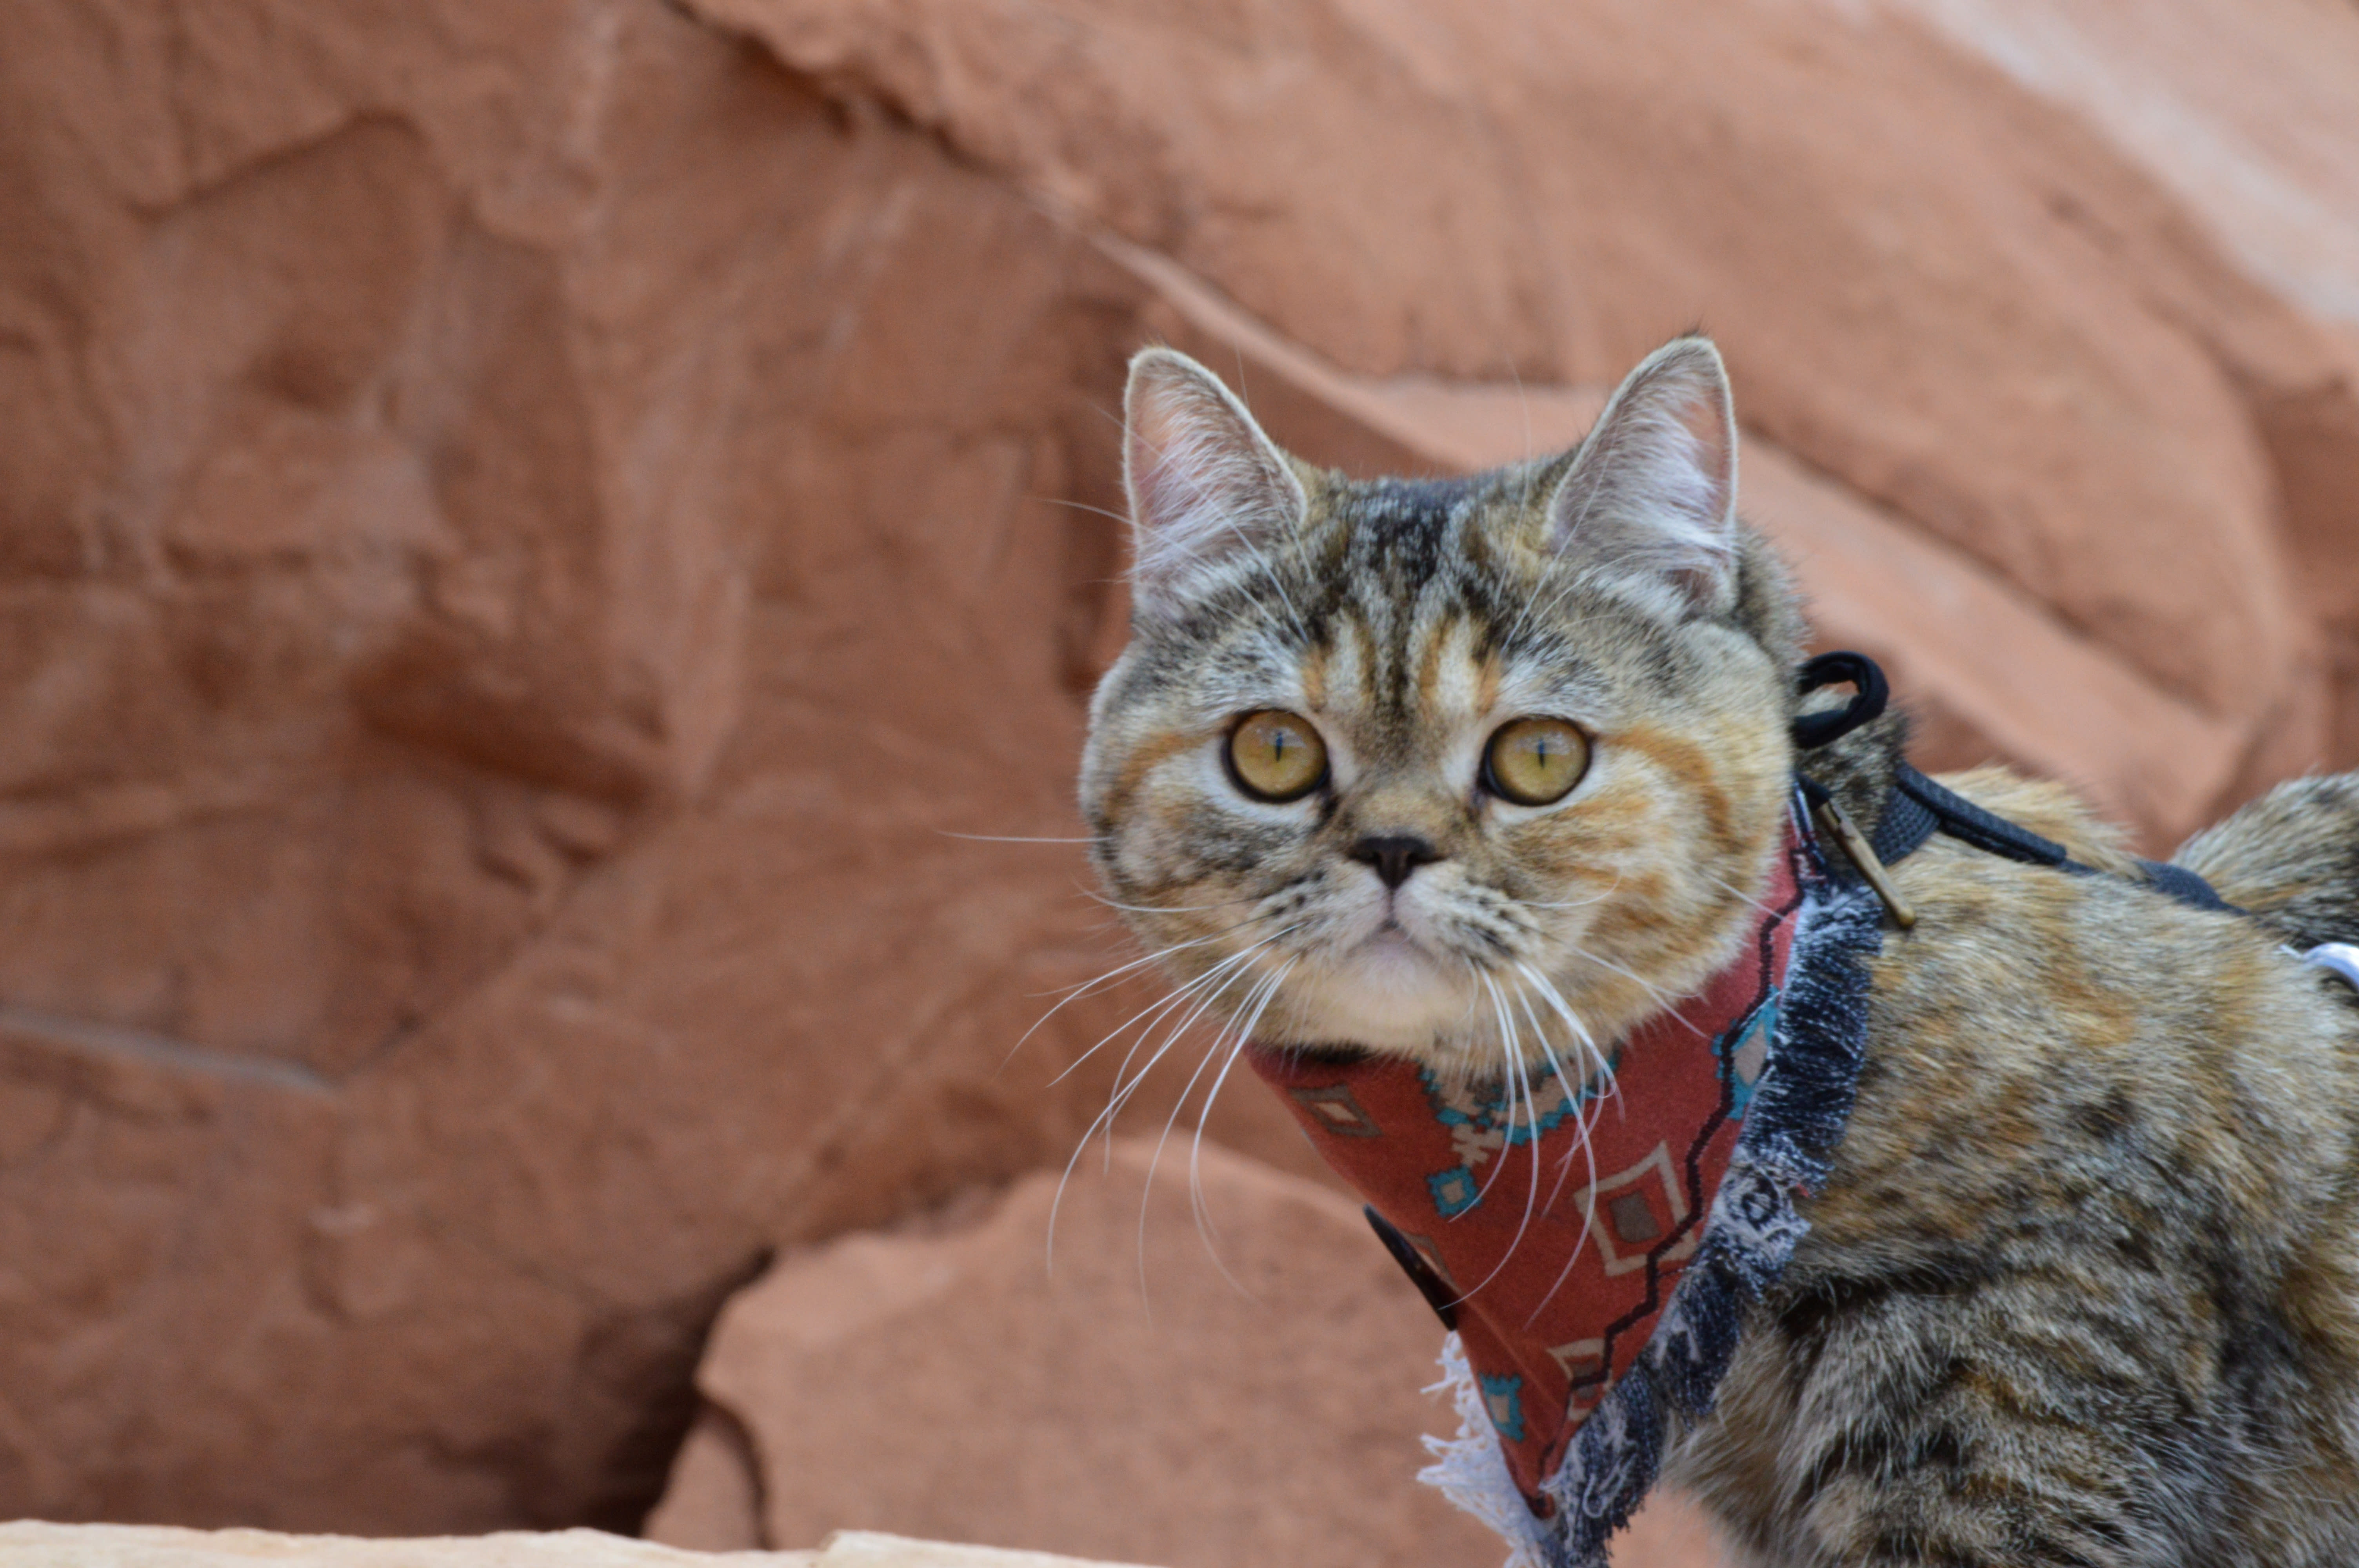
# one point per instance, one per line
(1388, 994)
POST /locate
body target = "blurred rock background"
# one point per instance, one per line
(530, 528)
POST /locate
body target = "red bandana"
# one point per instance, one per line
(1556, 1260)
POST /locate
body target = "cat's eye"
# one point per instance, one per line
(1535, 762)
(1277, 756)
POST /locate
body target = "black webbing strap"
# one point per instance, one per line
(1906, 822)
(2187, 887)
(1961, 818)
(1918, 807)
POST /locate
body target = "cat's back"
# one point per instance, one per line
(2090, 1247)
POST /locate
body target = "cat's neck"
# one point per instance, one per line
(1858, 768)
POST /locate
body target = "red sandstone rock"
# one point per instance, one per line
(1913, 268)
(522, 526)
(571, 527)
(2241, 110)
(1245, 1392)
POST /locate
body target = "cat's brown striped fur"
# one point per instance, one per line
(2084, 1287)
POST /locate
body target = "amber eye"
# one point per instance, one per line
(1535, 762)
(1277, 756)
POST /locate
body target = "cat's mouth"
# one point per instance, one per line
(1389, 990)
(1391, 942)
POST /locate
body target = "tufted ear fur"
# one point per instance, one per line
(1204, 483)
(1652, 491)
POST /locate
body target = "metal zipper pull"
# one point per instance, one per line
(1837, 827)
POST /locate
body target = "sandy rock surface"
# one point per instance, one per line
(529, 530)
(1234, 1378)
(37, 1545)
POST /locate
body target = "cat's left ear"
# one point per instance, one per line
(1652, 491)
(1205, 483)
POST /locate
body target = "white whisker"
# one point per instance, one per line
(1654, 993)
(1122, 1095)
(1508, 1049)
(1006, 839)
(1580, 1030)
(1728, 887)
(1576, 904)
(1172, 908)
(1251, 1014)
(1086, 988)
(1170, 1001)
(1203, 1210)
(1262, 988)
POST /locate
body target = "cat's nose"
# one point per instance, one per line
(1394, 856)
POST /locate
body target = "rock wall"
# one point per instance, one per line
(529, 532)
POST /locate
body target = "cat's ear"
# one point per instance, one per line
(1652, 491)
(1204, 483)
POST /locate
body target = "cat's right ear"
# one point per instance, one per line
(1205, 484)
(1652, 491)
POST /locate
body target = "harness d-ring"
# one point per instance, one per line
(2339, 959)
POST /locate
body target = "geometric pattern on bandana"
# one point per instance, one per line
(1560, 1216)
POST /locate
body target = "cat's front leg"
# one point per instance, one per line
(2007, 1427)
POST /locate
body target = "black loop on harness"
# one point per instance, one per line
(1812, 730)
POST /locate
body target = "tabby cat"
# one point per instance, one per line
(2083, 1286)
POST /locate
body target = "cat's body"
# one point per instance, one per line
(2083, 1288)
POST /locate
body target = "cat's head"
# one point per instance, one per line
(1421, 766)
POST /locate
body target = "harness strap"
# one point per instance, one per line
(1916, 808)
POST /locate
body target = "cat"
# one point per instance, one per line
(2083, 1285)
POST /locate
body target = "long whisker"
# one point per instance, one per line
(1242, 957)
(1007, 838)
(1574, 1110)
(1588, 1224)
(1576, 904)
(1580, 1030)
(1507, 1050)
(1507, 1038)
(1172, 908)
(1169, 1000)
(1254, 999)
(1732, 889)
(1079, 988)
(1076, 991)
(1195, 1154)
(1248, 1018)
(1088, 987)
(1122, 1095)
(1083, 506)
(1126, 1085)
(1654, 993)
(1588, 1149)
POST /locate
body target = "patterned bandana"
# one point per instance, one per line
(1594, 1244)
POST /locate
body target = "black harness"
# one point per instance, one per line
(1917, 808)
